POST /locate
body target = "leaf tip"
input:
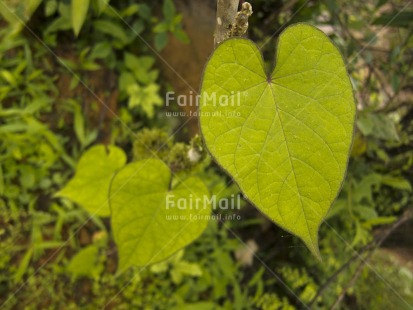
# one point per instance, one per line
(311, 241)
(316, 252)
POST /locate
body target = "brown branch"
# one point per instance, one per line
(226, 13)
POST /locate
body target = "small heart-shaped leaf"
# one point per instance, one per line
(90, 185)
(284, 138)
(151, 222)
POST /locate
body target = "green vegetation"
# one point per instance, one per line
(81, 87)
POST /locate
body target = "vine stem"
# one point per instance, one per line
(226, 14)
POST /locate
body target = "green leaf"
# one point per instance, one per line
(113, 29)
(287, 139)
(364, 188)
(145, 12)
(50, 7)
(362, 235)
(365, 212)
(60, 23)
(31, 7)
(181, 35)
(138, 27)
(90, 185)
(23, 266)
(101, 5)
(9, 77)
(101, 51)
(397, 182)
(79, 125)
(379, 221)
(126, 79)
(378, 125)
(140, 67)
(130, 10)
(79, 13)
(145, 97)
(395, 19)
(168, 9)
(161, 39)
(159, 28)
(187, 268)
(141, 202)
(16, 12)
(85, 263)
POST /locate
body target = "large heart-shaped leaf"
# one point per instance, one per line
(150, 221)
(287, 142)
(90, 185)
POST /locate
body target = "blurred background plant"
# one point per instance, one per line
(76, 73)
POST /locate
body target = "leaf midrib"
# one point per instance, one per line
(292, 164)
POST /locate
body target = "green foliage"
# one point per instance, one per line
(155, 143)
(21, 11)
(288, 147)
(146, 97)
(32, 152)
(151, 143)
(177, 267)
(170, 24)
(138, 82)
(53, 255)
(273, 302)
(107, 31)
(400, 279)
(377, 125)
(300, 281)
(178, 157)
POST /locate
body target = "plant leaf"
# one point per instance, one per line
(101, 5)
(161, 39)
(168, 10)
(112, 29)
(90, 185)
(79, 13)
(31, 7)
(85, 263)
(287, 143)
(141, 203)
(23, 266)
